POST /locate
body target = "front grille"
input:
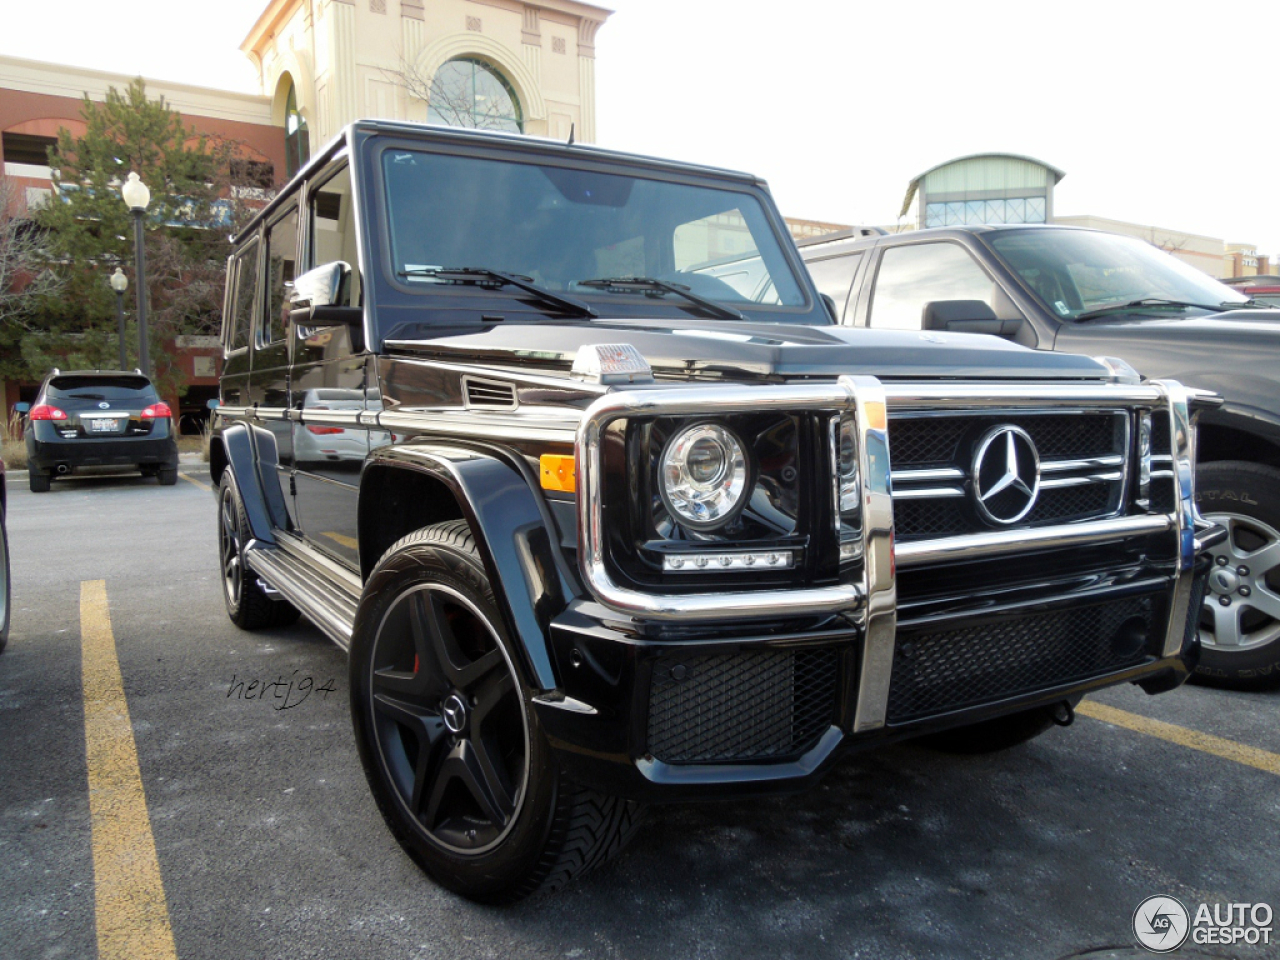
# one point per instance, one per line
(946, 517)
(935, 671)
(1082, 460)
(754, 705)
(933, 441)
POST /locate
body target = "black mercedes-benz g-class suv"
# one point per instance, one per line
(1085, 291)
(628, 526)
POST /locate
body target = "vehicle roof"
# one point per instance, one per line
(432, 133)
(819, 246)
(98, 373)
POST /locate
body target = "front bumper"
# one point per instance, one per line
(675, 697)
(663, 717)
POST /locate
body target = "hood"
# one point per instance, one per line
(747, 351)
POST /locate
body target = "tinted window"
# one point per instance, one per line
(834, 275)
(333, 230)
(282, 245)
(242, 305)
(912, 276)
(79, 393)
(562, 227)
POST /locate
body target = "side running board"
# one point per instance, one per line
(327, 595)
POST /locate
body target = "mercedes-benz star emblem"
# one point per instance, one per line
(1006, 475)
(454, 712)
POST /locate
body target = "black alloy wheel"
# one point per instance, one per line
(449, 741)
(449, 724)
(247, 604)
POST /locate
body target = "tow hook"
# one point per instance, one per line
(1064, 714)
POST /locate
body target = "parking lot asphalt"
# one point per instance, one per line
(268, 844)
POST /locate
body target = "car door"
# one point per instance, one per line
(329, 383)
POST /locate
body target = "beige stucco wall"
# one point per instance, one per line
(346, 57)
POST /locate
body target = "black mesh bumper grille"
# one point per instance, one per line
(918, 519)
(754, 705)
(935, 671)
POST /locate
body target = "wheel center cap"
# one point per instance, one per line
(454, 712)
(1224, 581)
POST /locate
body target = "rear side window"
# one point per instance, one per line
(84, 393)
(246, 288)
(833, 276)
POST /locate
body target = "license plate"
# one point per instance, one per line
(104, 425)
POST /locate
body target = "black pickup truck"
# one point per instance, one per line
(601, 521)
(1085, 291)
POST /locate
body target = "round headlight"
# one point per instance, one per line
(703, 476)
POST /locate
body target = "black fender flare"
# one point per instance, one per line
(263, 503)
(514, 534)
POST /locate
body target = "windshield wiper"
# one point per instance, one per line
(652, 284)
(480, 274)
(1144, 302)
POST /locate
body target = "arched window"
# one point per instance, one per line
(469, 93)
(297, 145)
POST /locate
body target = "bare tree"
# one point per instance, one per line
(451, 95)
(24, 269)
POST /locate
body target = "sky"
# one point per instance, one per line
(1165, 114)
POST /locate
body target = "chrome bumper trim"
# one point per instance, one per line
(980, 546)
(1182, 427)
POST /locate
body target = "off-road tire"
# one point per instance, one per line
(37, 481)
(167, 476)
(247, 606)
(428, 607)
(1245, 497)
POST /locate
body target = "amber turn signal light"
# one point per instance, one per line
(558, 473)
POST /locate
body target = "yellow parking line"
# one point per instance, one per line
(203, 486)
(350, 542)
(1193, 739)
(130, 909)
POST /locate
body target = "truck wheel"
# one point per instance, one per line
(992, 736)
(247, 606)
(451, 747)
(39, 482)
(1240, 620)
(167, 476)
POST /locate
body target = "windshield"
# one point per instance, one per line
(562, 228)
(1076, 272)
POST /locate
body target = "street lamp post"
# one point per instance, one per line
(120, 283)
(136, 197)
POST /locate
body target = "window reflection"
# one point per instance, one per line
(469, 93)
(912, 276)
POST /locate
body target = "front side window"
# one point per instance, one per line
(333, 230)
(470, 93)
(913, 276)
(282, 245)
(570, 229)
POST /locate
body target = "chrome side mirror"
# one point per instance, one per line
(323, 286)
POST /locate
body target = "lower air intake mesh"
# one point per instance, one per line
(935, 671)
(755, 705)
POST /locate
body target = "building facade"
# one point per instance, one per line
(524, 67)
